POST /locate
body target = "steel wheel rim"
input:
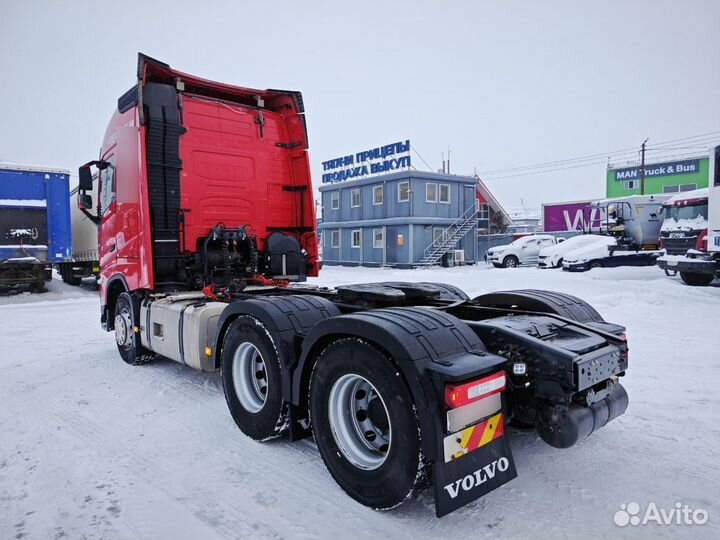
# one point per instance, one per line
(359, 422)
(250, 377)
(123, 324)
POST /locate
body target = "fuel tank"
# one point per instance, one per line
(181, 327)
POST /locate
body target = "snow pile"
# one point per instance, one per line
(92, 447)
(695, 224)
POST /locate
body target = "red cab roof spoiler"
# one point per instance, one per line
(152, 70)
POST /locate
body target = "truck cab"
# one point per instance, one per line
(685, 222)
(700, 265)
(200, 182)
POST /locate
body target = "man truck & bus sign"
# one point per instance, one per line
(688, 166)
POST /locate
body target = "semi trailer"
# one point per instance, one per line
(700, 264)
(85, 260)
(34, 223)
(207, 238)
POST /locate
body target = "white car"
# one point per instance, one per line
(589, 256)
(552, 256)
(523, 251)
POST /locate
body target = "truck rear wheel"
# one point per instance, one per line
(696, 280)
(67, 275)
(252, 381)
(127, 340)
(365, 425)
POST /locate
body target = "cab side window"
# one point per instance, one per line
(107, 185)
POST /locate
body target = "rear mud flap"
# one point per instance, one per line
(463, 480)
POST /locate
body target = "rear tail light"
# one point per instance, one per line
(701, 242)
(463, 394)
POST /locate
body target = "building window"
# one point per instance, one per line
(483, 211)
(671, 189)
(356, 238)
(445, 193)
(355, 198)
(430, 192)
(335, 239)
(378, 239)
(688, 187)
(334, 200)
(403, 191)
(378, 195)
(632, 184)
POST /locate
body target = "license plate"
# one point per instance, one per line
(677, 235)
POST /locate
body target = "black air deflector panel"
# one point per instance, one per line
(162, 148)
(128, 100)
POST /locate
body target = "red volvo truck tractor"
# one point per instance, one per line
(206, 215)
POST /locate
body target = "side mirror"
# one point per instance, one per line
(86, 180)
(84, 201)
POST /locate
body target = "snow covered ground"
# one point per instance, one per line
(93, 448)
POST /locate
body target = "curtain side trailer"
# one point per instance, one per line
(34, 223)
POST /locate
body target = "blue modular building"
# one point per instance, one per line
(402, 219)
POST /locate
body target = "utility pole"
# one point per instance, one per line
(642, 167)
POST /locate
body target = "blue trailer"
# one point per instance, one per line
(35, 228)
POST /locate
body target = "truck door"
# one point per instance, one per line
(107, 245)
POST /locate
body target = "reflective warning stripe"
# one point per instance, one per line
(473, 437)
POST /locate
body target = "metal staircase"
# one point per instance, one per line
(450, 236)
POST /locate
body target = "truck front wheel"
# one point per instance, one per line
(365, 425)
(696, 280)
(127, 340)
(252, 381)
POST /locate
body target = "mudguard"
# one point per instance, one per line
(463, 480)
(427, 345)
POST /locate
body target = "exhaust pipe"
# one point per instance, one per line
(564, 426)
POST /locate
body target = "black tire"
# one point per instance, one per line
(404, 470)
(696, 280)
(511, 261)
(127, 340)
(66, 273)
(559, 263)
(595, 264)
(541, 301)
(38, 287)
(270, 420)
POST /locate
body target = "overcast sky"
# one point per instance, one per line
(503, 83)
